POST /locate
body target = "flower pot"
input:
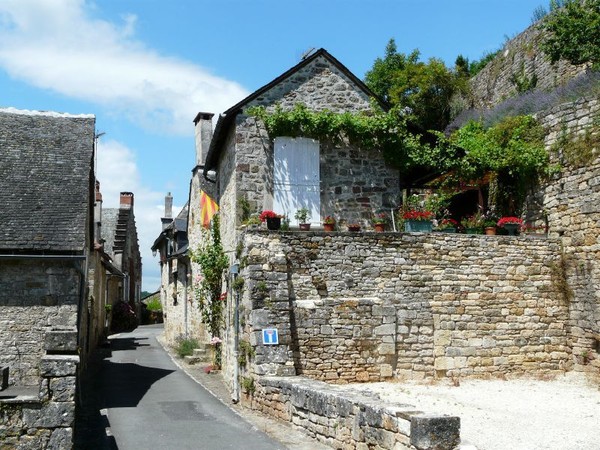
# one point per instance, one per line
(328, 226)
(511, 228)
(305, 227)
(490, 231)
(418, 226)
(379, 227)
(273, 223)
(473, 231)
(353, 227)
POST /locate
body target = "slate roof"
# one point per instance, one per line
(45, 181)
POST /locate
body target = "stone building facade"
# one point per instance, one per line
(46, 248)
(353, 182)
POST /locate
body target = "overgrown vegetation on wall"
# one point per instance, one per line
(212, 261)
(572, 31)
(512, 151)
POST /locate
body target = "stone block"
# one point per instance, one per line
(63, 389)
(429, 432)
(61, 439)
(60, 341)
(49, 415)
(58, 365)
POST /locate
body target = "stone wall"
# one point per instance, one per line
(356, 421)
(521, 57)
(413, 305)
(43, 418)
(571, 201)
(36, 296)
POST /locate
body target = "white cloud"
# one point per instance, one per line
(117, 171)
(58, 45)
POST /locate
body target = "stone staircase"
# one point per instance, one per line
(202, 354)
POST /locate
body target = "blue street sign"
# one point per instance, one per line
(270, 336)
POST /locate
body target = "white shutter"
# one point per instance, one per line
(296, 179)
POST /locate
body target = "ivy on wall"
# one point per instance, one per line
(212, 261)
(512, 151)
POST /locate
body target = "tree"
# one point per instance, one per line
(422, 90)
(572, 31)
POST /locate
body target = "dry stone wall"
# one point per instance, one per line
(571, 201)
(520, 57)
(35, 297)
(445, 305)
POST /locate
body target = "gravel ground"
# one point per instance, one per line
(515, 414)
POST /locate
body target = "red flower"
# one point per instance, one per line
(267, 214)
(509, 221)
(417, 215)
(448, 223)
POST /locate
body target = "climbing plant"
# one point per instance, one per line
(212, 262)
(511, 152)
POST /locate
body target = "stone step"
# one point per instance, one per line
(192, 359)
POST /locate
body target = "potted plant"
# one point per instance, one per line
(534, 230)
(473, 224)
(329, 223)
(272, 219)
(416, 215)
(447, 225)
(302, 215)
(379, 221)
(489, 222)
(353, 227)
(510, 224)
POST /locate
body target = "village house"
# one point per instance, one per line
(56, 277)
(358, 307)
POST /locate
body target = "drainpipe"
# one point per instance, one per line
(185, 298)
(235, 395)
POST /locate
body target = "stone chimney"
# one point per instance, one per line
(204, 131)
(168, 219)
(126, 200)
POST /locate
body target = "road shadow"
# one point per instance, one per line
(125, 384)
(110, 384)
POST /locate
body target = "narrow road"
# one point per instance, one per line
(149, 403)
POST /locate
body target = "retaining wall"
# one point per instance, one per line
(369, 306)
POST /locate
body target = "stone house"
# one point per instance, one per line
(181, 315)
(283, 173)
(47, 311)
(57, 277)
(120, 241)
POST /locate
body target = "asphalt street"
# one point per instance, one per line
(139, 399)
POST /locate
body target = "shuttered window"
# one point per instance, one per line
(296, 177)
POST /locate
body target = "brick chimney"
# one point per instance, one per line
(204, 131)
(126, 200)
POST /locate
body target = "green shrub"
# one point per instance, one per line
(186, 346)
(154, 304)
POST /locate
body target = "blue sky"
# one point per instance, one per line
(146, 67)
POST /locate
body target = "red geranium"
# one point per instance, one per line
(448, 223)
(509, 221)
(267, 214)
(417, 215)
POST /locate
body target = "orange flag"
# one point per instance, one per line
(208, 208)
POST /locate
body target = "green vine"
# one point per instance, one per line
(212, 261)
(511, 152)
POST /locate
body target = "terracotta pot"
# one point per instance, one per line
(490, 231)
(354, 228)
(379, 227)
(328, 226)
